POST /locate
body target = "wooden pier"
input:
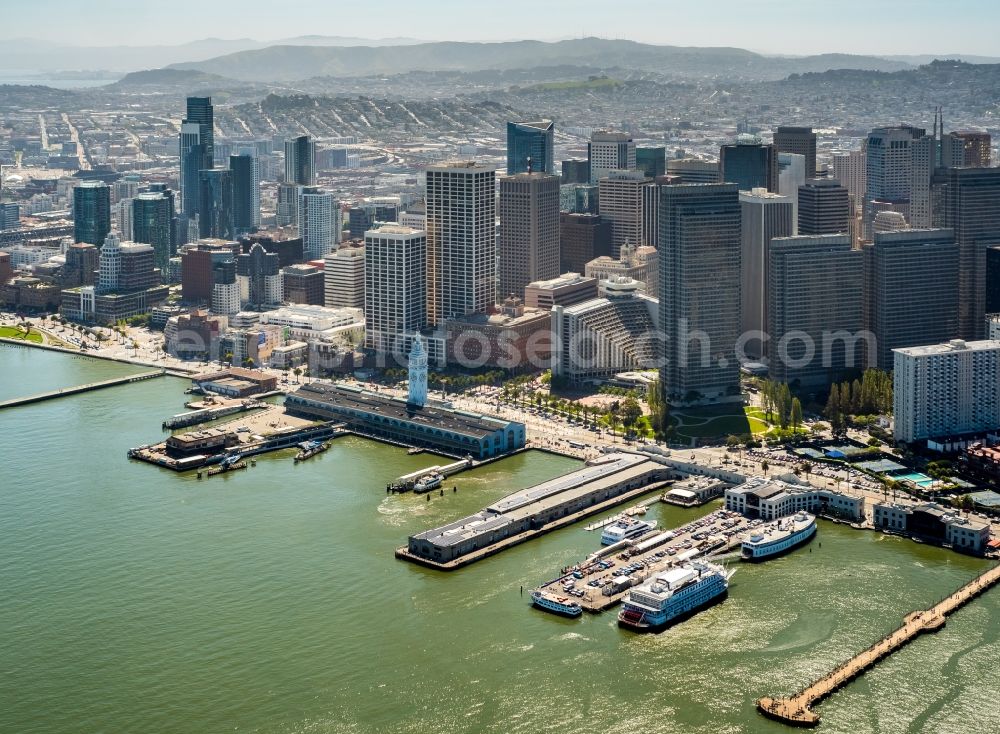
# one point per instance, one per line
(796, 710)
(62, 392)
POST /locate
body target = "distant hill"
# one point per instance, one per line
(169, 78)
(290, 62)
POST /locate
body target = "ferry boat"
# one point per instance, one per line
(626, 529)
(673, 595)
(778, 537)
(426, 484)
(556, 604)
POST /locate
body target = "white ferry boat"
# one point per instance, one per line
(626, 529)
(673, 595)
(427, 483)
(557, 604)
(778, 537)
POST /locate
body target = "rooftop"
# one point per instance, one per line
(955, 345)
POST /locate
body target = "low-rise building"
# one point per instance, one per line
(638, 263)
(288, 356)
(309, 321)
(24, 293)
(769, 499)
(235, 382)
(934, 523)
(566, 290)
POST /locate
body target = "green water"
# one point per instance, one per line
(136, 600)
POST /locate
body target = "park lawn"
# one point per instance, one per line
(718, 421)
(11, 332)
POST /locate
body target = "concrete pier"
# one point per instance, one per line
(796, 710)
(62, 392)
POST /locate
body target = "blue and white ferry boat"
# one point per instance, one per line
(778, 537)
(673, 595)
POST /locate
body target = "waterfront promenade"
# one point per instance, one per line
(796, 710)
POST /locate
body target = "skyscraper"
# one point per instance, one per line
(575, 171)
(258, 275)
(651, 161)
(344, 278)
(798, 140)
(534, 140)
(621, 202)
(461, 239)
(763, 216)
(246, 193)
(154, 223)
(288, 204)
(215, 207)
(91, 212)
(699, 290)
(889, 171)
(911, 281)
(300, 161)
(192, 157)
(965, 149)
(749, 164)
(849, 169)
(610, 151)
(582, 237)
(814, 309)
(528, 244)
(693, 170)
(319, 218)
(395, 286)
(967, 200)
(201, 112)
(824, 207)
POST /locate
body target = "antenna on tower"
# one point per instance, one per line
(529, 164)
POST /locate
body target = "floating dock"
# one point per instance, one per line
(64, 391)
(796, 710)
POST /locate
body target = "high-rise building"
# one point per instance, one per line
(121, 218)
(763, 216)
(575, 171)
(965, 149)
(693, 170)
(889, 171)
(911, 282)
(396, 261)
(814, 309)
(245, 171)
(849, 169)
(201, 112)
(967, 200)
(566, 290)
(992, 281)
(259, 278)
(579, 198)
(288, 249)
(800, 141)
(300, 161)
(225, 288)
(946, 390)
(699, 290)
(215, 207)
(10, 215)
(154, 223)
(534, 140)
(610, 151)
(91, 212)
(621, 202)
(125, 267)
(319, 220)
(303, 283)
(192, 159)
(651, 161)
(528, 242)
(81, 265)
(582, 237)
(461, 240)
(344, 278)
(791, 175)
(749, 164)
(288, 205)
(359, 220)
(198, 264)
(824, 207)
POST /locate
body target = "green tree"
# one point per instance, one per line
(795, 414)
(631, 412)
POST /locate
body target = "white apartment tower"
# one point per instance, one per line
(344, 278)
(319, 222)
(621, 200)
(946, 390)
(461, 240)
(608, 152)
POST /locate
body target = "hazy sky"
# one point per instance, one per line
(770, 26)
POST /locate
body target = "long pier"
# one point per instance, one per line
(64, 391)
(796, 710)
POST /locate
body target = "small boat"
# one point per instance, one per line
(556, 604)
(427, 483)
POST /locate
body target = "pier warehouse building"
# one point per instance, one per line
(533, 508)
(438, 427)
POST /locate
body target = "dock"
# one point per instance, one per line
(796, 710)
(637, 509)
(64, 391)
(598, 583)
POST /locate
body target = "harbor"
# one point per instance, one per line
(76, 390)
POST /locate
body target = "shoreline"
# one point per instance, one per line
(171, 371)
